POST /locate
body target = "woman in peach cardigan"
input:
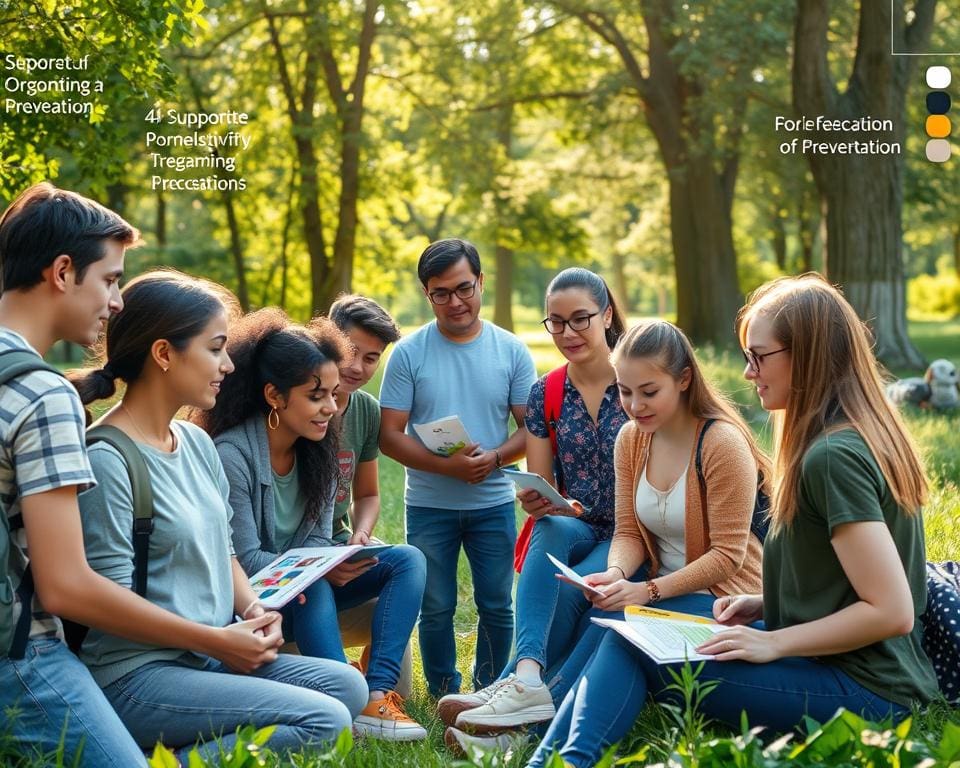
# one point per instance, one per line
(663, 532)
(669, 544)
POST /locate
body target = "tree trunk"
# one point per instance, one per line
(236, 250)
(701, 177)
(779, 239)
(704, 261)
(503, 298)
(618, 266)
(161, 221)
(864, 192)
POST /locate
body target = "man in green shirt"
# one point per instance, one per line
(370, 329)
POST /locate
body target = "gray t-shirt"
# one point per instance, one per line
(430, 377)
(189, 571)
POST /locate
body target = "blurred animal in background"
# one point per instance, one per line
(938, 388)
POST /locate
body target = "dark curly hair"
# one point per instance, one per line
(267, 347)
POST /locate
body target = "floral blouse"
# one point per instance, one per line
(585, 449)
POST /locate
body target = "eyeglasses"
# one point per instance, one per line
(578, 323)
(754, 360)
(442, 295)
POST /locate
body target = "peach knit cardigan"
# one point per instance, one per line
(722, 555)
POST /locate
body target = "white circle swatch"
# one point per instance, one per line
(938, 77)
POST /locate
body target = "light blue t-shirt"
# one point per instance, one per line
(189, 570)
(430, 377)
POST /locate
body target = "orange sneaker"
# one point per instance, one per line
(385, 719)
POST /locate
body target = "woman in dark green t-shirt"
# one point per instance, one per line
(843, 565)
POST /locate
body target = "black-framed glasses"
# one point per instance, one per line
(578, 323)
(442, 295)
(754, 360)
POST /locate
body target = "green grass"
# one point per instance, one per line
(937, 434)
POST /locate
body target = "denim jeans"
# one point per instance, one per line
(547, 609)
(487, 536)
(309, 700)
(397, 580)
(54, 696)
(605, 701)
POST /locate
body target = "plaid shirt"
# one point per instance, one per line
(42, 447)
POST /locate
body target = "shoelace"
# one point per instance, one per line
(393, 703)
(501, 691)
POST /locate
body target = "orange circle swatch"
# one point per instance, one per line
(938, 126)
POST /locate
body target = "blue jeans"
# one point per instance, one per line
(547, 609)
(487, 536)
(54, 696)
(397, 580)
(604, 703)
(309, 700)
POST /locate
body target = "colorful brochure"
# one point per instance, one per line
(665, 636)
(294, 571)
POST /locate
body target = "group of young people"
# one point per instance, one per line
(279, 450)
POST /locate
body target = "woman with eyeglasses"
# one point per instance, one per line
(584, 323)
(843, 567)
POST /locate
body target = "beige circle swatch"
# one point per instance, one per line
(938, 150)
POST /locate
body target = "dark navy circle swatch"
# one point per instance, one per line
(938, 103)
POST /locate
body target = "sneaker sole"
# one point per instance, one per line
(496, 723)
(449, 711)
(453, 744)
(365, 730)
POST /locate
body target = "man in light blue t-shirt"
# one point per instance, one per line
(459, 365)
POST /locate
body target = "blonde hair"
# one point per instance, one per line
(834, 382)
(672, 352)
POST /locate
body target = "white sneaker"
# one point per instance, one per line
(465, 745)
(385, 719)
(451, 705)
(513, 703)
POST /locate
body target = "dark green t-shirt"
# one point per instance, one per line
(359, 436)
(840, 482)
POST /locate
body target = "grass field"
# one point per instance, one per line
(937, 434)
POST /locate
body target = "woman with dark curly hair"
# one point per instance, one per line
(272, 426)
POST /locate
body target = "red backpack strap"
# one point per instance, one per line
(552, 404)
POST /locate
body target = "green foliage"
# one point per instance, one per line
(937, 296)
(124, 40)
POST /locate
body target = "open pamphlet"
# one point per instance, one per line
(531, 480)
(570, 576)
(295, 570)
(665, 636)
(444, 436)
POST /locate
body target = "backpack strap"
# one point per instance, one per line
(14, 363)
(552, 405)
(142, 497)
(698, 462)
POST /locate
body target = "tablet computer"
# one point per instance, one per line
(531, 480)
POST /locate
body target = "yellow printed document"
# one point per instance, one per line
(665, 636)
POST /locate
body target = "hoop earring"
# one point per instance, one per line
(270, 419)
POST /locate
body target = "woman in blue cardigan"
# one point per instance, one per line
(273, 428)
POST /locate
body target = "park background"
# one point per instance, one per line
(633, 138)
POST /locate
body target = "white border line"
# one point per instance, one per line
(894, 53)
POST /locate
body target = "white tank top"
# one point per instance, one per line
(663, 513)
